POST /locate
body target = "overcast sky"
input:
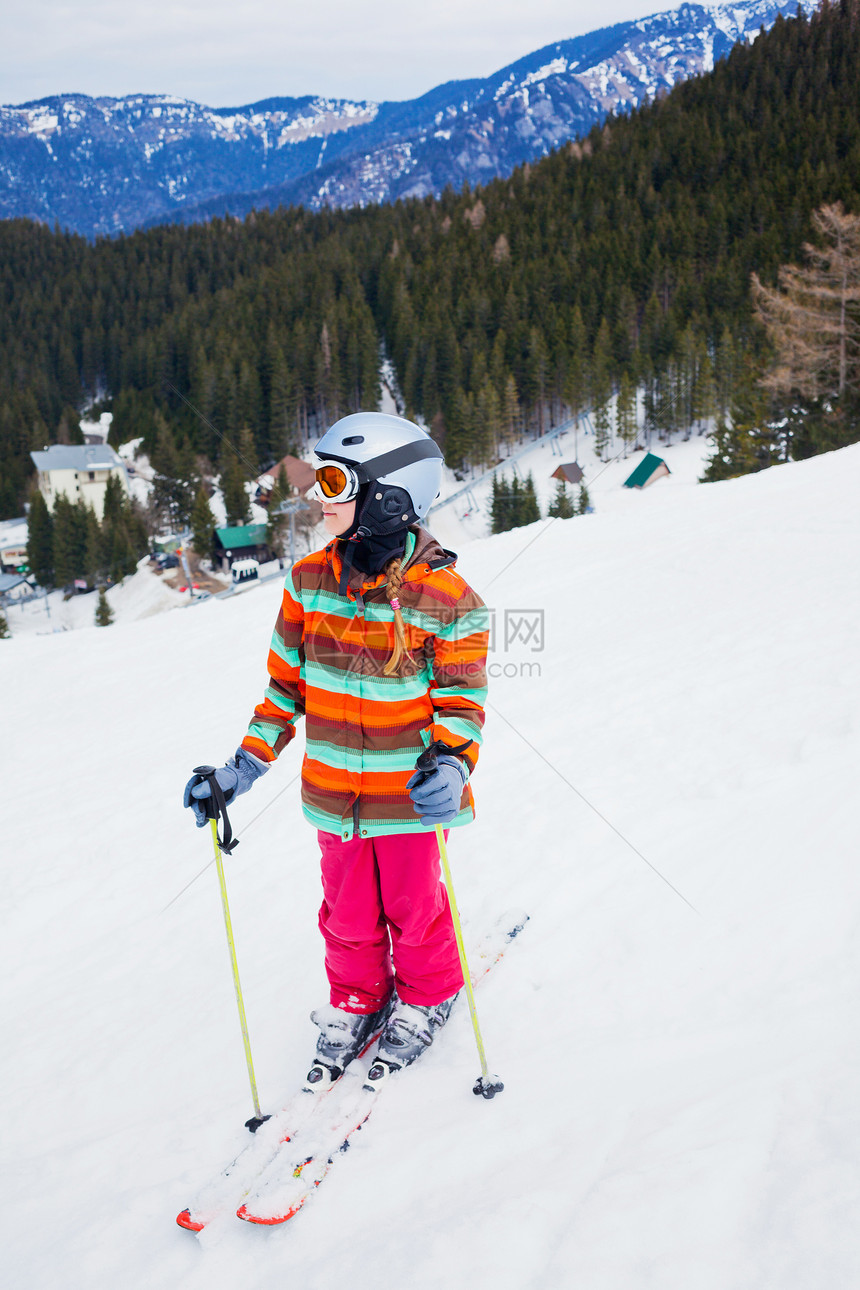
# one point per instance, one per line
(231, 52)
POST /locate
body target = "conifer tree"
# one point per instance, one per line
(536, 373)
(626, 411)
(529, 509)
(174, 485)
(96, 558)
(601, 390)
(69, 427)
(40, 540)
(4, 627)
(248, 454)
(510, 412)
(202, 524)
(812, 318)
(812, 321)
(123, 553)
(233, 489)
(123, 539)
(104, 613)
(561, 507)
(661, 403)
(277, 523)
(742, 441)
(114, 503)
(627, 329)
(460, 436)
(499, 507)
(575, 387)
(282, 407)
(514, 501)
(69, 541)
(725, 363)
(584, 500)
(704, 393)
(487, 423)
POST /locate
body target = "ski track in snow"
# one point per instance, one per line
(680, 1107)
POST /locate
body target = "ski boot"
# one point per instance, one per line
(408, 1032)
(343, 1037)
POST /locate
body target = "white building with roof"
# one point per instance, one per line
(13, 544)
(80, 471)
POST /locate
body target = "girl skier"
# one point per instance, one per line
(381, 645)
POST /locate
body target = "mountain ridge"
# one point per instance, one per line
(100, 165)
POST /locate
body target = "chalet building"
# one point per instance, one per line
(569, 473)
(651, 467)
(13, 586)
(80, 472)
(300, 476)
(240, 542)
(13, 546)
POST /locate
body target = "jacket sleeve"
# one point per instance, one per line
(459, 672)
(274, 722)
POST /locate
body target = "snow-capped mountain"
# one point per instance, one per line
(101, 165)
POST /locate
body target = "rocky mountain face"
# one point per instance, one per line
(104, 166)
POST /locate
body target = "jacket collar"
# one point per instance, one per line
(422, 550)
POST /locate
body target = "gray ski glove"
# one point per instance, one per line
(235, 777)
(436, 796)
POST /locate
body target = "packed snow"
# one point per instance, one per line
(667, 787)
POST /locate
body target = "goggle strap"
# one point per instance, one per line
(387, 462)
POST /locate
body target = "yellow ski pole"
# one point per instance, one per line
(486, 1085)
(215, 806)
(258, 1118)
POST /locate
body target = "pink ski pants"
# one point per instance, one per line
(386, 921)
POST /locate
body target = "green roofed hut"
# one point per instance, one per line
(651, 467)
(241, 542)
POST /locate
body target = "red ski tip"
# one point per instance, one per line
(267, 1222)
(190, 1224)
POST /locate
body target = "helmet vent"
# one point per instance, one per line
(353, 438)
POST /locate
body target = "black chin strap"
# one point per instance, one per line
(349, 555)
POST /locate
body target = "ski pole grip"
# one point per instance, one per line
(209, 804)
(426, 763)
(215, 806)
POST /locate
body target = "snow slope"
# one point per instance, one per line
(463, 520)
(467, 518)
(675, 1027)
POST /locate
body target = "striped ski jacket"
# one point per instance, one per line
(364, 730)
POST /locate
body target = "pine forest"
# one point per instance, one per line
(660, 259)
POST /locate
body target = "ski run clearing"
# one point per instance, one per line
(668, 788)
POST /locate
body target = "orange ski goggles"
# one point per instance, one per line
(336, 482)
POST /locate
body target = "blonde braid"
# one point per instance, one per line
(394, 577)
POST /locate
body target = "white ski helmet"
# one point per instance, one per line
(392, 459)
